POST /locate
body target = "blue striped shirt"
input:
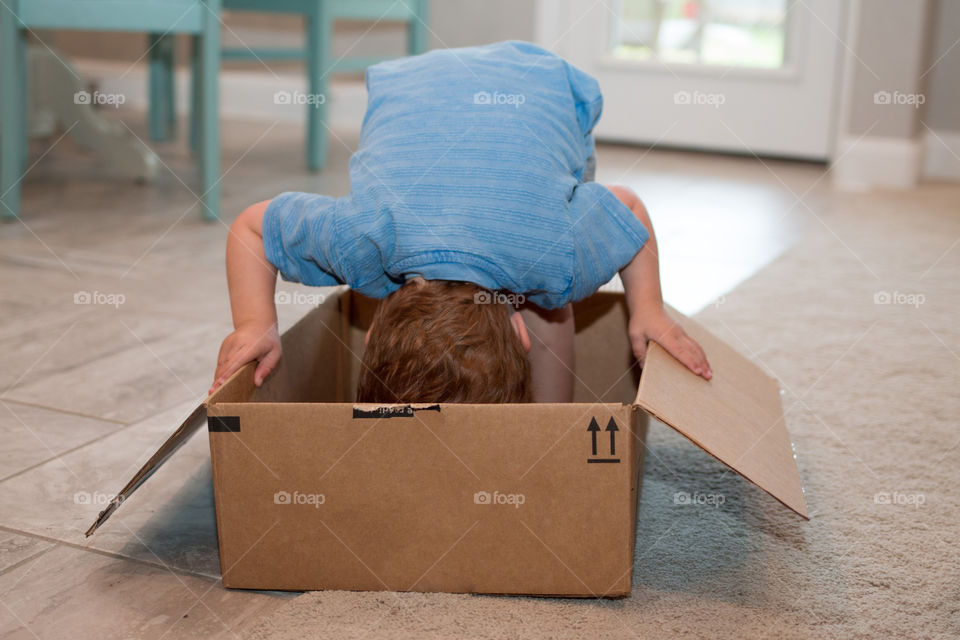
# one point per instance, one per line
(470, 168)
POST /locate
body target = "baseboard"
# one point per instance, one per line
(243, 94)
(941, 155)
(875, 162)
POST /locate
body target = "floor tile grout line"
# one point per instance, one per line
(32, 556)
(195, 319)
(65, 453)
(122, 426)
(70, 412)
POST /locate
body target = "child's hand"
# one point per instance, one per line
(246, 344)
(659, 327)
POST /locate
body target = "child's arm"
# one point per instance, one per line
(648, 319)
(252, 281)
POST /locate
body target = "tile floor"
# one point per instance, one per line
(87, 391)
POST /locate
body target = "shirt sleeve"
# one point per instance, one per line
(300, 239)
(606, 237)
(586, 98)
(588, 103)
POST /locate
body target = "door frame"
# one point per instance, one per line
(556, 25)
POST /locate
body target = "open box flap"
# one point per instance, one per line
(736, 416)
(196, 419)
(240, 383)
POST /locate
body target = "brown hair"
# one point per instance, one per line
(443, 341)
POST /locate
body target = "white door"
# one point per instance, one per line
(744, 76)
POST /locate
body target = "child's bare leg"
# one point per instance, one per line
(551, 352)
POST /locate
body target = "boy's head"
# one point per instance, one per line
(442, 341)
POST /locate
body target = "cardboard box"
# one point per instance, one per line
(315, 492)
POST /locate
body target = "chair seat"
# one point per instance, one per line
(176, 16)
(346, 9)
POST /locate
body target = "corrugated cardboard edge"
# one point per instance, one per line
(344, 362)
(217, 506)
(639, 426)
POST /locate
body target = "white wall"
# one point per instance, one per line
(943, 74)
(464, 23)
(899, 121)
(940, 120)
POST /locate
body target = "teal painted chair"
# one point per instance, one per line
(320, 63)
(199, 18)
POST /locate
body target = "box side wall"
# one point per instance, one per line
(313, 355)
(461, 469)
(391, 475)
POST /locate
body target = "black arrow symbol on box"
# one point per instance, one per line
(612, 428)
(593, 429)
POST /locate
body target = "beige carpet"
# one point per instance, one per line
(871, 393)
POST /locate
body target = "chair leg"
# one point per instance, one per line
(26, 72)
(12, 111)
(162, 115)
(171, 85)
(318, 36)
(194, 132)
(417, 32)
(209, 157)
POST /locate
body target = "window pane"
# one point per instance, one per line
(738, 33)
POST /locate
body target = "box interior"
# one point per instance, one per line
(325, 363)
